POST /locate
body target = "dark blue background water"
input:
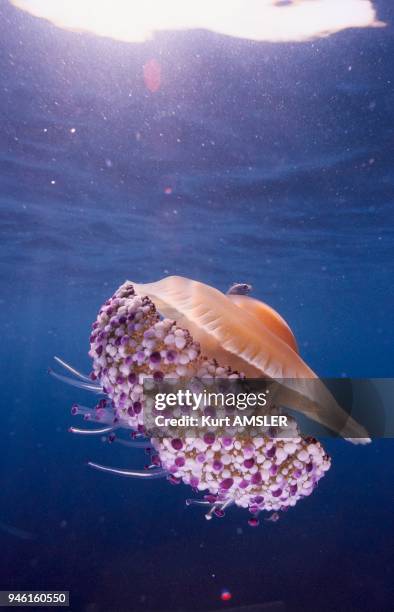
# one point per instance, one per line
(279, 159)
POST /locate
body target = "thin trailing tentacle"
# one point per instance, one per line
(68, 367)
(218, 508)
(227, 503)
(79, 409)
(90, 432)
(197, 502)
(76, 383)
(102, 415)
(214, 507)
(129, 473)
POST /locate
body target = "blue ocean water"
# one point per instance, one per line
(262, 163)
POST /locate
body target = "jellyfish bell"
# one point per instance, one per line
(182, 330)
(267, 316)
(251, 343)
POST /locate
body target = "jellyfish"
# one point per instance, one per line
(183, 330)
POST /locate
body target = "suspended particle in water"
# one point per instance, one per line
(225, 595)
(273, 518)
(152, 75)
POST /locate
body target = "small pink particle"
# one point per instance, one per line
(225, 595)
(168, 190)
(152, 75)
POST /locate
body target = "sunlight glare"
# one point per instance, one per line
(260, 20)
